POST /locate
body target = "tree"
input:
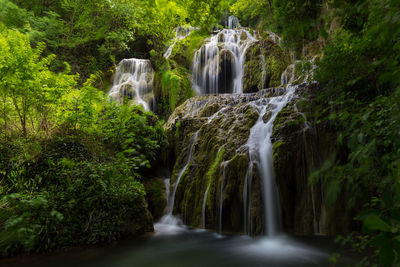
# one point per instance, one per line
(26, 83)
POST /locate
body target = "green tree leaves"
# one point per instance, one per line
(28, 88)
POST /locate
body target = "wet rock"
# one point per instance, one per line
(219, 159)
(226, 71)
(300, 148)
(267, 116)
(265, 62)
(155, 196)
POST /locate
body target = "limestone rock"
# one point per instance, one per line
(219, 160)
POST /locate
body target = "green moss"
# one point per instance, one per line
(298, 121)
(175, 86)
(282, 117)
(194, 42)
(251, 116)
(170, 83)
(155, 197)
(214, 166)
(184, 49)
(177, 129)
(276, 61)
(276, 150)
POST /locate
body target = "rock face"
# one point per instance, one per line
(265, 61)
(208, 136)
(300, 148)
(215, 129)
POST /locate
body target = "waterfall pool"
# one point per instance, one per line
(174, 246)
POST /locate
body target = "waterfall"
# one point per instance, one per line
(260, 154)
(134, 79)
(218, 64)
(221, 195)
(189, 159)
(180, 33)
(170, 224)
(246, 200)
(218, 68)
(203, 208)
(233, 22)
(264, 71)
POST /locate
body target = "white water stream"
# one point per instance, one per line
(180, 33)
(134, 79)
(260, 154)
(218, 68)
(218, 64)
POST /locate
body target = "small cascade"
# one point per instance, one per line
(288, 76)
(203, 208)
(260, 154)
(246, 200)
(170, 224)
(218, 64)
(180, 33)
(264, 72)
(189, 158)
(134, 79)
(232, 22)
(221, 195)
(275, 37)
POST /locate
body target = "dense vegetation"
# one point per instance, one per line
(71, 161)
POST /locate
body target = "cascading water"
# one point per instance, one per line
(134, 79)
(189, 159)
(218, 68)
(246, 201)
(170, 223)
(203, 208)
(221, 195)
(232, 22)
(260, 154)
(180, 33)
(218, 64)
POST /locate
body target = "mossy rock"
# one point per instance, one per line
(219, 159)
(300, 147)
(155, 196)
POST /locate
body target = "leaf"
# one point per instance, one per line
(388, 198)
(380, 240)
(375, 223)
(386, 255)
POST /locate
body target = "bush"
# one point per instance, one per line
(78, 187)
(90, 203)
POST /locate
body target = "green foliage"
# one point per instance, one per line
(297, 19)
(28, 88)
(14, 17)
(205, 13)
(70, 159)
(361, 101)
(78, 189)
(136, 134)
(84, 203)
(365, 63)
(175, 87)
(253, 12)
